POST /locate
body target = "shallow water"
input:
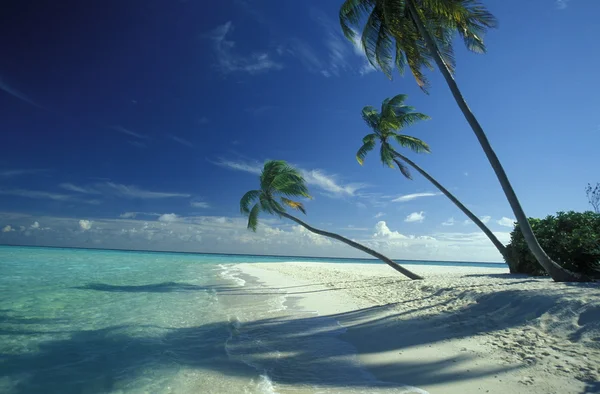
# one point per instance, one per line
(89, 321)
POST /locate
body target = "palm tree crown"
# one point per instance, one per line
(278, 181)
(394, 116)
(391, 34)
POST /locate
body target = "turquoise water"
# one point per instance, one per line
(91, 321)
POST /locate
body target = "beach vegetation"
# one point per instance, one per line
(572, 239)
(593, 195)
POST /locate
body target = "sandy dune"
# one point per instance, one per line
(462, 330)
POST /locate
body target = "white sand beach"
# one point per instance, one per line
(461, 330)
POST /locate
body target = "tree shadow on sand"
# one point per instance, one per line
(298, 350)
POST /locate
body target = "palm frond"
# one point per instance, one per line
(403, 169)
(247, 199)
(397, 100)
(412, 143)
(364, 149)
(409, 118)
(294, 204)
(386, 154)
(371, 117)
(253, 217)
(351, 14)
(377, 42)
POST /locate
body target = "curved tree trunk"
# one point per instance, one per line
(501, 248)
(557, 273)
(356, 245)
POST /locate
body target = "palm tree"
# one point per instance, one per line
(278, 181)
(419, 32)
(394, 116)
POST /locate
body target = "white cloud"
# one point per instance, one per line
(485, 219)
(169, 218)
(561, 4)
(128, 215)
(199, 204)
(7, 229)
(85, 225)
(383, 231)
(414, 196)
(130, 133)
(180, 140)
(506, 222)
(415, 217)
(449, 222)
(35, 225)
(228, 60)
(378, 215)
(229, 235)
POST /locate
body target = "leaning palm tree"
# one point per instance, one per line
(419, 33)
(278, 181)
(394, 116)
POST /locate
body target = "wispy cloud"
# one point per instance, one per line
(414, 196)
(17, 94)
(19, 172)
(120, 190)
(252, 168)
(561, 4)
(318, 178)
(417, 217)
(378, 215)
(340, 50)
(180, 140)
(228, 60)
(42, 195)
(128, 132)
(506, 222)
(78, 189)
(133, 215)
(329, 183)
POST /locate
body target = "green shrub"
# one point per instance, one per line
(571, 239)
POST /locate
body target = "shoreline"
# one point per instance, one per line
(461, 330)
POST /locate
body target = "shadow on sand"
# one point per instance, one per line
(97, 361)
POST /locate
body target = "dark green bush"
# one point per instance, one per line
(571, 239)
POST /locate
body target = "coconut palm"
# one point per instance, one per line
(419, 33)
(395, 116)
(278, 182)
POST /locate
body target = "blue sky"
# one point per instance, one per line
(140, 125)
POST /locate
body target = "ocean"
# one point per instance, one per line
(95, 321)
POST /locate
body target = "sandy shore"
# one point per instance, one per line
(461, 330)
